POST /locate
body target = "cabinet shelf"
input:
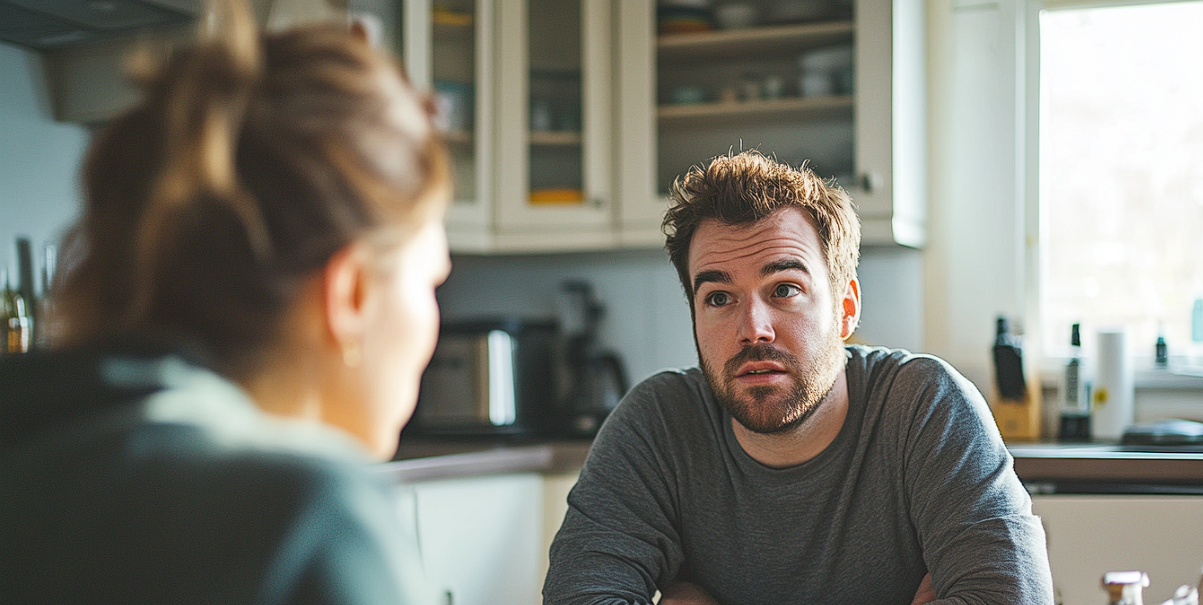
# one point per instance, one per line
(752, 42)
(750, 111)
(555, 138)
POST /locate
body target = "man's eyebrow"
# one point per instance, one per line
(783, 265)
(702, 277)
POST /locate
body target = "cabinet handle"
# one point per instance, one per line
(869, 181)
(599, 202)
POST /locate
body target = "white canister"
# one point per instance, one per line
(1113, 392)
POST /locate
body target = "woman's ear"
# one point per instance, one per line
(850, 309)
(344, 293)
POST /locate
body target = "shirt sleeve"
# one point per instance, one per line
(981, 543)
(619, 541)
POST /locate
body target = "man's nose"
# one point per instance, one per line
(756, 322)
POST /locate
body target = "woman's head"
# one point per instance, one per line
(253, 161)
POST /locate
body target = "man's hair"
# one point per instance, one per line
(743, 189)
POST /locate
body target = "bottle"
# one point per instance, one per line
(1161, 353)
(1125, 587)
(1075, 403)
(16, 320)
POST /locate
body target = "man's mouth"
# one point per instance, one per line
(760, 369)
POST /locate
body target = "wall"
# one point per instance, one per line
(974, 262)
(647, 317)
(39, 158)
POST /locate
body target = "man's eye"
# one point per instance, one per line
(786, 290)
(718, 299)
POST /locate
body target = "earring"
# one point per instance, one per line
(352, 356)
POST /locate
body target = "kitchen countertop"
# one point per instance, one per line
(427, 458)
(1108, 468)
(1043, 467)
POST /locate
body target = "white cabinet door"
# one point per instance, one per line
(450, 51)
(481, 538)
(640, 208)
(533, 157)
(554, 118)
(1090, 535)
(891, 122)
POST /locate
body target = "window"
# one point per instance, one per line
(1121, 174)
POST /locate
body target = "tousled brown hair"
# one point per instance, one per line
(250, 161)
(744, 188)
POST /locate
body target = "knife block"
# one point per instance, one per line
(1019, 419)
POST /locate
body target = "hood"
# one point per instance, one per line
(84, 44)
(49, 24)
(45, 25)
(43, 389)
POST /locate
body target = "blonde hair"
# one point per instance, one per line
(250, 161)
(744, 188)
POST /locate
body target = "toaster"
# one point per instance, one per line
(488, 377)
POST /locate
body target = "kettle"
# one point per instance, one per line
(594, 379)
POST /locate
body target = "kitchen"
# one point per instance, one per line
(941, 297)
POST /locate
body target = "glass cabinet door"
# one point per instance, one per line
(554, 113)
(447, 50)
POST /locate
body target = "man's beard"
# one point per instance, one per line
(770, 409)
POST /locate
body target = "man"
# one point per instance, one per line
(791, 468)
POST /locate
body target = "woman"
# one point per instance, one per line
(246, 309)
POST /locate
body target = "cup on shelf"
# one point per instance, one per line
(773, 87)
(453, 106)
(750, 87)
(541, 116)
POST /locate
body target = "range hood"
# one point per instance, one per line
(84, 43)
(52, 24)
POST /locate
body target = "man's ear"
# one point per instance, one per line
(850, 309)
(344, 284)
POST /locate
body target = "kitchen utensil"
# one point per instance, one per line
(595, 378)
(1167, 432)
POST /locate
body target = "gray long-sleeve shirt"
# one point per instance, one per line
(917, 480)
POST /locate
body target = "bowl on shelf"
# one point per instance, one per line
(684, 16)
(735, 16)
(797, 11)
(687, 95)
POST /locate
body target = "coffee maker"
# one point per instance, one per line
(592, 379)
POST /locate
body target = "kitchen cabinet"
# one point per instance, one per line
(527, 90)
(569, 140)
(484, 539)
(741, 88)
(1089, 535)
(480, 537)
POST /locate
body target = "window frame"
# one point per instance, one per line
(1051, 363)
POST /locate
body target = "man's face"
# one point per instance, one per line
(768, 328)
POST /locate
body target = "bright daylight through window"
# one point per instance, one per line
(1121, 176)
